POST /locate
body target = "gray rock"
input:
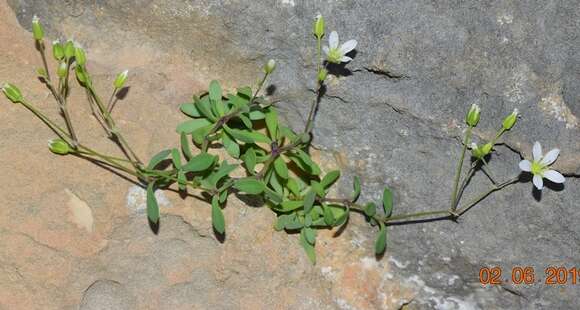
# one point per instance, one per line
(107, 294)
(396, 113)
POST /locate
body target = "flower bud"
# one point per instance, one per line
(270, 66)
(69, 49)
(486, 148)
(12, 92)
(58, 146)
(319, 26)
(510, 120)
(41, 73)
(82, 75)
(80, 56)
(57, 50)
(322, 75)
(475, 151)
(61, 70)
(120, 80)
(37, 31)
(472, 117)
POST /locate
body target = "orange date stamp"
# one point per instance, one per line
(527, 275)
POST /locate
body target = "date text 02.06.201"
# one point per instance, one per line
(526, 275)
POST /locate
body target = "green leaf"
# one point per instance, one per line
(159, 157)
(310, 235)
(293, 222)
(250, 160)
(388, 202)
(328, 216)
(223, 171)
(281, 222)
(204, 107)
(245, 92)
(276, 183)
(317, 188)
(291, 205)
(356, 186)
(215, 91)
(272, 122)
(199, 163)
(256, 115)
(281, 168)
(381, 241)
(224, 196)
(217, 216)
(189, 109)
(250, 186)
(288, 133)
(309, 201)
(330, 178)
(230, 145)
(370, 209)
(304, 162)
(274, 197)
(293, 186)
(199, 134)
(185, 146)
(181, 180)
(247, 136)
(152, 206)
(192, 125)
(247, 122)
(342, 217)
(176, 158)
(308, 248)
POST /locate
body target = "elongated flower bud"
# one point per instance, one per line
(57, 50)
(270, 66)
(61, 70)
(69, 49)
(80, 56)
(510, 120)
(12, 92)
(37, 30)
(58, 146)
(319, 26)
(472, 117)
(120, 80)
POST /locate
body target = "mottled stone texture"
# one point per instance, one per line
(394, 116)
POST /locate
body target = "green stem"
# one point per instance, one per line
(111, 102)
(479, 198)
(485, 169)
(459, 167)
(44, 62)
(314, 106)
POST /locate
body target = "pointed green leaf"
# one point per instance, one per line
(328, 216)
(222, 171)
(181, 180)
(330, 178)
(309, 201)
(192, 125)
(281, 168)
(245, 92)
(388, 202)
(224, 196)
(189, 109)
(274, 197)
(230, 145)
(176, 158)
(308, 248)
(272, 122)
(317, 188)
(199, 163)
(152, 206)
(250, 160)
(281, 222)
(370, 209)
(304, 162)
(250, 186)
(291, 205)
(356, 186)
(215, 91)
(381, 241)
(204, 107)
(159, 157)
(293, 186)
(246, 121)
(217, 216)
(310, 235)
(247, 136)
(199, 134)
(256, 115)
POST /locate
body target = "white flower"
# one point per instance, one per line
(539, 166)
(336, 54)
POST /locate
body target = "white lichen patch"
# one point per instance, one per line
(137, 199)
(505, 18)
(555, 106)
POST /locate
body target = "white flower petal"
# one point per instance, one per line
(333, 39)
(550, 157)
(537, 151)
(326, 50)
(526, 165)
(538, 182)
(347, 46)
(345, 59)
(554, 176)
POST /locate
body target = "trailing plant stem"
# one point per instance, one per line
(458, 171)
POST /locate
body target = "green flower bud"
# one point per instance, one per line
(120, 80)
(480, 152)
(472, 117)
(37, 31)
(12, 92)
(80, 56)
(57, 50)
(322, 75)
(319, 26)
(61, 70)
(270, 66)
(41, 73)
(69, 49)
(58, 146)
(486, 148)
(510, 120)
(82, 75)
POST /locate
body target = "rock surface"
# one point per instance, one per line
(394, 116)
